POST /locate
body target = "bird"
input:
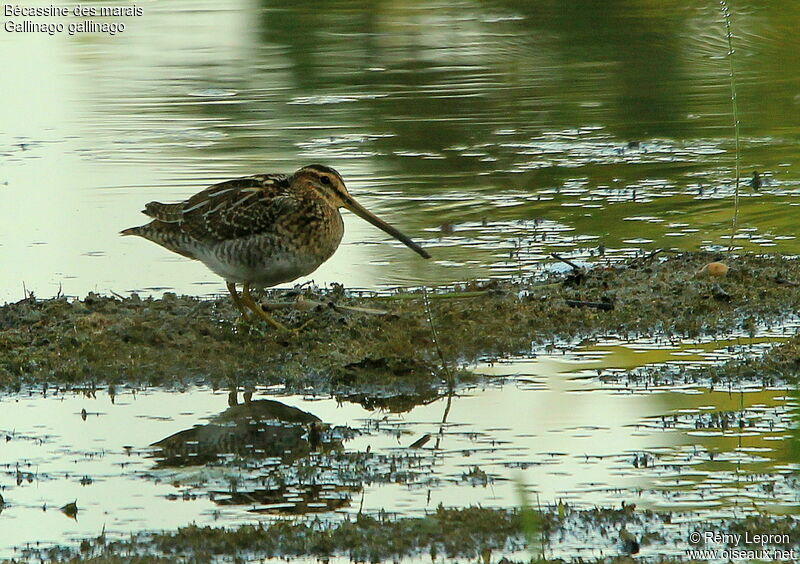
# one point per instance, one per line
(261, 230)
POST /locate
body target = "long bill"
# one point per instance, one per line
(363, 213)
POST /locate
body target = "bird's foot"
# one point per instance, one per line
(246, 302)
(264, 316)
(242, 322)
(252, 311)
(303, 326)
(294, 331)
(245, 321)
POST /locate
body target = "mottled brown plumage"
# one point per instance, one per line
(260, 230)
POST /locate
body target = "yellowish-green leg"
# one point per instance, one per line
(237, 301)
(247, 300)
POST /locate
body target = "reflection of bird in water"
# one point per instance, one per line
(261, 230)
(755, 181)
(269, 441)
(258, 429)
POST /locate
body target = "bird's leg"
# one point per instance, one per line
(248, 300)
(237, 301)
(301, 304)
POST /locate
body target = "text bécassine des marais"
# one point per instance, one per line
(15, 10)
(51, 28)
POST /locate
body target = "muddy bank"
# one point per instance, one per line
(175, 340)
(390, 361)
(449, 535)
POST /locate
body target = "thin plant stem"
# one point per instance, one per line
(448, 373)
(735, 114)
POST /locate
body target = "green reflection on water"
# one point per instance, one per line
(421, 91)
(728, 448)
(440, 114)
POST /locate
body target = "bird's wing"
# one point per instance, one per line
(231, 209)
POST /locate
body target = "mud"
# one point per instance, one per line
(396, 350)
(173, 341)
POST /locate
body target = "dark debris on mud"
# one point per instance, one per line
(180, 340)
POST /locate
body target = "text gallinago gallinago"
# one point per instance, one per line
(261, 230)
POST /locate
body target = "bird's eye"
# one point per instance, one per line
(326, 180)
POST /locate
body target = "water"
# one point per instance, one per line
(565, 423)
(495, 132)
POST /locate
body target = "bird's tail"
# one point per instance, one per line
(168, 235)
(132, 231)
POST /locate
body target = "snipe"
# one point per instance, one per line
(261, 230)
